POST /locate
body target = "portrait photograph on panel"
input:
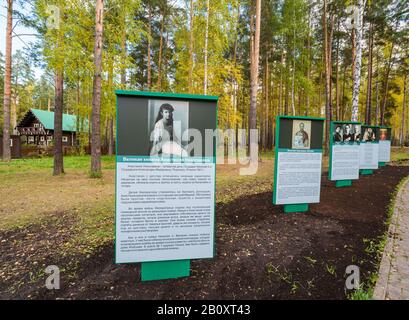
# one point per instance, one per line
(301, 134)
(337, 134)
(357, 132)
(383, 134)
(369, 134)
(348, 133)
(168, 120)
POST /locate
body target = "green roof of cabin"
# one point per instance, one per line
(69, 122)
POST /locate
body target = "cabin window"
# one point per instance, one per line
(64, 139)
(36, 125)
(49, 138)
(42, 139)
(30, 139)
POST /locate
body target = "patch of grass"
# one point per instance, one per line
(331, 269)
(361, 294)
(311, 260)
(17, 166)
(375, 248)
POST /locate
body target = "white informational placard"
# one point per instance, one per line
(298, 177)
(369, 155)
(345, 162)
(384, 151)
(165, 211)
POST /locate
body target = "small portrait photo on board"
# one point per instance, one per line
(301, 135)
(348, 133)
(369, 134)
(357, 132)
(337, 135)
(383, 134)
(168, 120)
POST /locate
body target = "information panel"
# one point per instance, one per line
(298, 160)
(369, 148)
(165, 193)
(344, 151)
(385, 137)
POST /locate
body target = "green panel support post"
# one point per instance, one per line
(292, 208)
(343, 183)
(366, 172)
(160, 270)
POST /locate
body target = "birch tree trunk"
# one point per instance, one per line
(358, 62)
(96, 94)
(149, 46)
(7, 84)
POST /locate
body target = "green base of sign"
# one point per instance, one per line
(366, 172)
(343, 183)
(159, 270)
(382, 164)
(291, 208)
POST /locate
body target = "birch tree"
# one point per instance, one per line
(358, 25)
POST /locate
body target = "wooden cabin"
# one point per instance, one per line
(37, 128)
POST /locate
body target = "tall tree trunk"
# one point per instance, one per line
(191, 31)
(337, 89)
(328, 65)
(96, 94)
(358, 62)
(293, 67)
(266, 88)
(280, 96)
(162, 26)
(58, 111)
(124, 56)
(386, 86)
(110, 124)
(7, 84)
(368, 110)
(206, 46)
(307, 109)
(254, 70)
(149, 46)
(405, 95)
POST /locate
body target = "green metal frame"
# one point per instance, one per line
(383, 164)
(365, 172)
(338, 183)
(165, 95)
(288, 208)
(160, 270)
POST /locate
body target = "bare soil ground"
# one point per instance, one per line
(262, 253)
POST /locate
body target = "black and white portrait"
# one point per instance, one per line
(168, 120)
(348, 133)
(337, 135)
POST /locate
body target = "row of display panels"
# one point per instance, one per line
(299, 155)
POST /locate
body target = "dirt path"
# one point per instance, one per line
(261, 252)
